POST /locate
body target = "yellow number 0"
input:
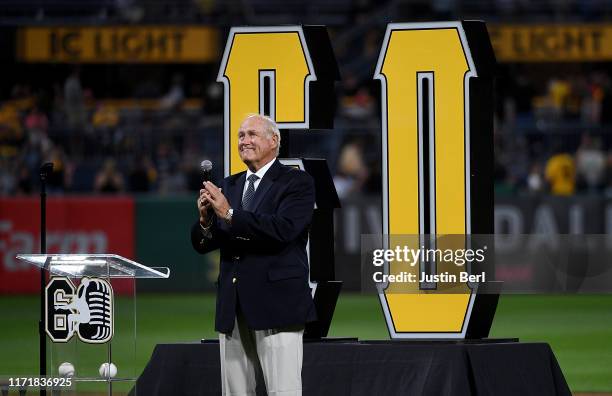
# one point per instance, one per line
(426, 158)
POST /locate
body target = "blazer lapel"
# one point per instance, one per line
(265, 184)
(235, 195)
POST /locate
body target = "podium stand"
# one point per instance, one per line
(90, 319)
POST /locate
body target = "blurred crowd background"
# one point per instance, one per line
(144, 128)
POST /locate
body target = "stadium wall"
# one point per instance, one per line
(155, 231)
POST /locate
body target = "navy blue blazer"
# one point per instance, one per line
(264, 266)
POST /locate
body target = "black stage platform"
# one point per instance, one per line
(376, 368)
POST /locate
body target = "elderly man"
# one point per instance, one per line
(259, 219)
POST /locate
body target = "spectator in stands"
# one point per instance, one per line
(36, 120)
(74, 100)
(129, 10)
(606, 100)
(535, 182)
(105, 116)
(167, 163)
(22, 97)
(109, 179)
(143, 175)
(177, 179)
(351, 171)
(590, 163)
(175, 96)
(576, 103)
(213, 99)
(37, 125)
(359, 106)
(559, 90)
(58, 180)
(561, 173)
(11, 130)
(356, 101)
(105, 121)
(591, 107)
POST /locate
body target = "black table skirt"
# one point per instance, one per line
(375, 368)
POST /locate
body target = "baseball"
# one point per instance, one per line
(108, 370)
(66, 369)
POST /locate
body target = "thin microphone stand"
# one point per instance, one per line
(45, 169)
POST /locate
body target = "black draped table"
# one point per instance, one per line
(375, 368)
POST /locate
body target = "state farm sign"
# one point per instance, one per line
(74, 225)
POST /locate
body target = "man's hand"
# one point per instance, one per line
(216, 199)
(203, 208)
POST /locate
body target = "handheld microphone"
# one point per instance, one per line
(206, 166)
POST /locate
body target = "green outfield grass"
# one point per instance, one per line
(579, 329)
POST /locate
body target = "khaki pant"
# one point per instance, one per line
(270, 359)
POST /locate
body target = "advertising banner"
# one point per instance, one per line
(118, 44)
(552, 42)
(74, 225)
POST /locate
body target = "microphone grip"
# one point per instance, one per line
(207, 176)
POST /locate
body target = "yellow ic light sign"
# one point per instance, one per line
(118, 44)
(552, 42)
(424, 70)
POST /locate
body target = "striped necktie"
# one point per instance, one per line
(250, 192)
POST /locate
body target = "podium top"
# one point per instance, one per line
(100, 265)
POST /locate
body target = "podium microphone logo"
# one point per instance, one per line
(86, 310)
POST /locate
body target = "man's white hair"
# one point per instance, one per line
(271, 127)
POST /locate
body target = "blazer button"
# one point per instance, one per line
(233, 280)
